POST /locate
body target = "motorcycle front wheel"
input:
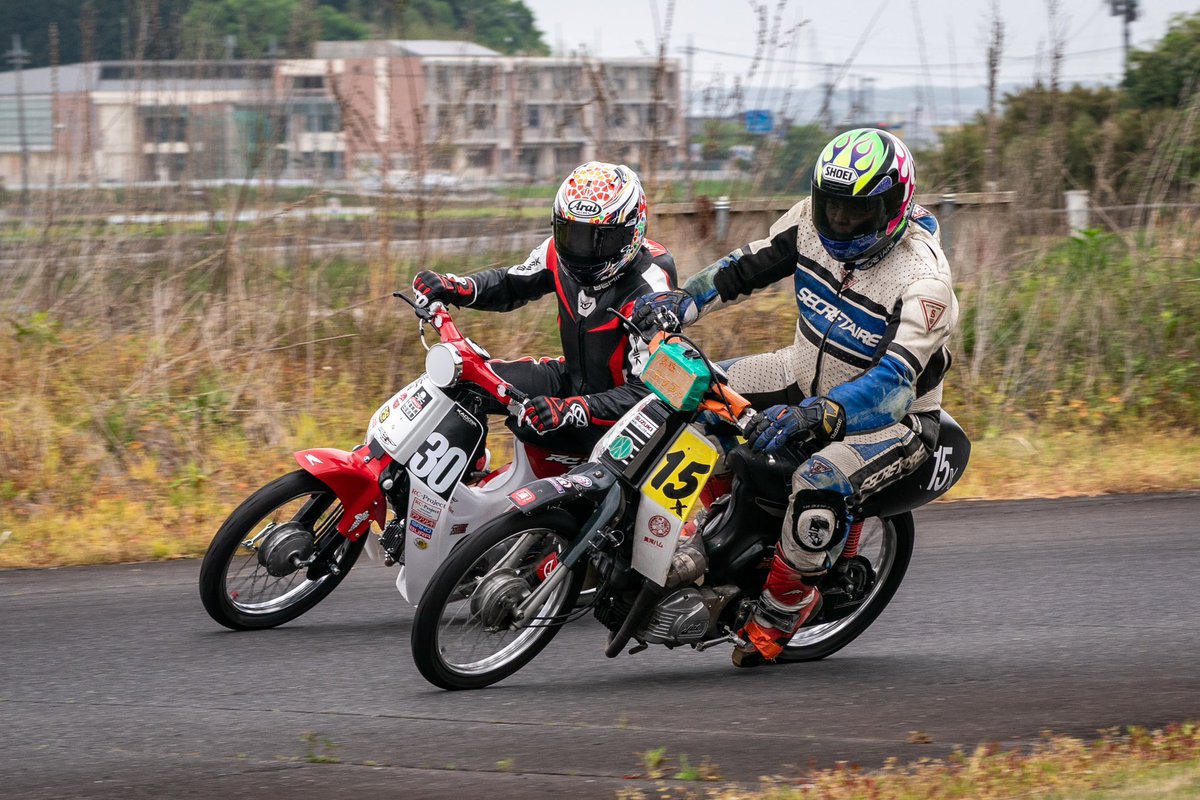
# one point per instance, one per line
(246, 581)
(886, 544)
(463, 636)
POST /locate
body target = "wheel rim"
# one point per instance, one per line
(465, 642)
(878, 545)
(249, 588)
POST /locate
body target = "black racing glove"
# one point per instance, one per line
(545, 414)
(431, 287)
(664, 310)
(816, 419)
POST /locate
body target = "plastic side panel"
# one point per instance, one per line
(656, 533)
(469, 510)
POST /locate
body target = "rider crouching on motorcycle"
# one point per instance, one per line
(597, 258)
(861, 386)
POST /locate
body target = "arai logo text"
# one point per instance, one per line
(584, 208)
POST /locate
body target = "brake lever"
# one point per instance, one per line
(628, 325)
(423, 314)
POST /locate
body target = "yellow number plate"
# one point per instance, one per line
(676, 481)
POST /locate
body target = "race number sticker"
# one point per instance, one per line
(676, 481)
(443, 457)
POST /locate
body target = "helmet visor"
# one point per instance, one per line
(580, 244)
(843, 219)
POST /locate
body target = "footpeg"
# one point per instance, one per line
(729, 638)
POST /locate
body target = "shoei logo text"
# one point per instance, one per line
(584, 208)
(832, 172)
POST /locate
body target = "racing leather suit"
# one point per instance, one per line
(601, 361)
(872, 340)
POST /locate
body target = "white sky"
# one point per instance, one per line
(953, 32)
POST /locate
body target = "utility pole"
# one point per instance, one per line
(825, 115)
(1128, 11)
(19, 58)
(687, 109)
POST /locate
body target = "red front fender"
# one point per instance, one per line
(354, 480)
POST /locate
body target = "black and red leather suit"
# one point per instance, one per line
(601, 361)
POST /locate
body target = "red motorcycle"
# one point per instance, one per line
(420, 476)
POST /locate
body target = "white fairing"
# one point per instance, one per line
(656, 533)
(469, 509)
(401, 424)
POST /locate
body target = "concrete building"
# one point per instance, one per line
(472, 112)
(357, 109)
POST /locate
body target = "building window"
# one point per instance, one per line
(481, 118)
(533, 117)
(481, 157)
(309, 82)
(166, 127)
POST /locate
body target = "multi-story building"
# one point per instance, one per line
(358, 108)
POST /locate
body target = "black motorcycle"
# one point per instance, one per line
(621, 523)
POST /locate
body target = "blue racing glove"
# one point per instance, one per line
(664, 310)
(816, 419)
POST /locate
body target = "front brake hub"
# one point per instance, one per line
(286, 548)
(496, 596)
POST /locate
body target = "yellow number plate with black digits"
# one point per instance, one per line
(676, 481)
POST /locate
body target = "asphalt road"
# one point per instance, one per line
(1016, 617)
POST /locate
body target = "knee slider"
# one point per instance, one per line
(818, 520)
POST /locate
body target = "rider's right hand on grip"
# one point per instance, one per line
(430, 287)
(668, 311)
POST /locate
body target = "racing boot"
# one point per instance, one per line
(788, 600)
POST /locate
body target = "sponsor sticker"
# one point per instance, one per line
(655, 542)
(570, 461)
(644, 424)
(412, 407)
(522, 497)
(384, 414)
(421, 544)
(581, 480)
(396, 402)
(459, 529)
(422, 520)
(424, 531)
(660, 526)
(621, 447)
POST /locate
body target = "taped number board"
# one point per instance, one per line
(676, 481)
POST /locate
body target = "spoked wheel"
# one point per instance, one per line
(253, 575)
(464, 635)
(885, 546)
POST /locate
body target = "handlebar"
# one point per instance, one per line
(475, 366)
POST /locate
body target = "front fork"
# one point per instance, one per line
(527, 610)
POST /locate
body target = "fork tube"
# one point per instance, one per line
(527, 610)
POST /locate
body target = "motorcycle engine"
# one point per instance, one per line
(686, 615)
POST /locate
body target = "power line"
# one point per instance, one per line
(916, 68)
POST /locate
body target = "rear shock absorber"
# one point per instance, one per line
(851, 548)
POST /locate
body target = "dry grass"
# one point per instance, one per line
(1161, 764)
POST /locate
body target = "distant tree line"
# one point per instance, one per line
(169, 29)
(1136, 143)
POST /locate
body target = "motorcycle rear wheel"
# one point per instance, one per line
(461, 638)
(236, 588)
(887, 543)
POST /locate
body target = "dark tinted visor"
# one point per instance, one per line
(582, 245)
(844, 219)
